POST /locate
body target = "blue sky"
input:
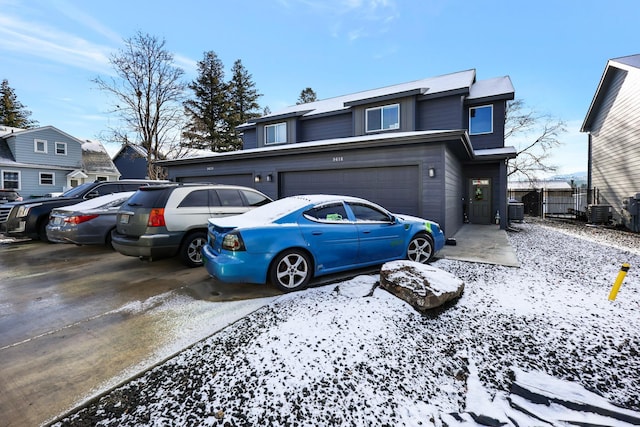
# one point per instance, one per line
(554, 50)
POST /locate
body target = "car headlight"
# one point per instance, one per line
(24, 209)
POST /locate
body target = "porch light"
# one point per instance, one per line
(257, 178)
(432, 172)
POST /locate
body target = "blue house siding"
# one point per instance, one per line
(22, 147)
(249, 139)
(130, 164)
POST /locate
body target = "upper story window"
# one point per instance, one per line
(40, 146)
(61, 148)
(383, 118)
(481, 120)
(275, 134)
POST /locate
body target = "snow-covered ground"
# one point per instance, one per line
(536, 345)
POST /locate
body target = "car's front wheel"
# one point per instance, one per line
(291, 270)
(191, 249)
(420, 249)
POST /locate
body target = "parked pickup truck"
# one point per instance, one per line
(29, 218)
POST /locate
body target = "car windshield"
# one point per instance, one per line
(77, 191)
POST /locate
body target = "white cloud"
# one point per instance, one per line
(49, 43)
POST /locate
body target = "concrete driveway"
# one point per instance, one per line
(76, 321)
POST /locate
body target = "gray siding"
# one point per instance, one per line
(494, 139)
(249, 139)
(615, 137)
(440, 114)
(328, 127)
(427, 192)
(453, 194)
(407, 116)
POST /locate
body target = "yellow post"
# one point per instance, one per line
(618, 282)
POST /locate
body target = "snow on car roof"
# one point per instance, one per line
(270, 212)
(97, 202)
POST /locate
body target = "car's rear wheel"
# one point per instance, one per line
(420, 249)
(191, 249)
(291, 270)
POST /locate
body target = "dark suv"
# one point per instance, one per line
(169, 220)
(9, 196)
(29, 218)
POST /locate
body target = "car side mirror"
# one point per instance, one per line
(92, 194)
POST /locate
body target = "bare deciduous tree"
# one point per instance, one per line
(148, 91)
(535, 135)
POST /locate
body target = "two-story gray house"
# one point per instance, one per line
(46, 160)
(433, 148)
(613, 125)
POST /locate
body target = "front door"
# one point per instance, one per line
(480, 201)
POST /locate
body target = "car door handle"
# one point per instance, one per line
(366, 231)
(317, 233)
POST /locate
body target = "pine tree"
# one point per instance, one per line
(208, 111)
(307, 95)
(243, 98)
(12, 112)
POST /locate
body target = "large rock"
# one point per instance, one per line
(422, 286)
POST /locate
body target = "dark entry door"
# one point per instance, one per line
(480, 201)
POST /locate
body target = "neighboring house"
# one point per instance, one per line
(613, 124)
(45, 160)
(131, 161)
(432, 148)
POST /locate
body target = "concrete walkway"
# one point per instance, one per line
(481, 243)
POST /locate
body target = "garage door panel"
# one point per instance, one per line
(395, 188)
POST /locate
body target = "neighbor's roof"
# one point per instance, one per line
(626, 63)
(547, 185)
(463, 82)
(95, 159)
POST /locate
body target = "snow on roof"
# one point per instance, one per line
(547, 185)
(444, 83)
(5, 130)
(96, 146)
(491, 87)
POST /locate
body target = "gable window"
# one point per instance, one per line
(383, 118)
(102, 178)
(481, 120)
(61, 148)
(40, 146)
(47, 178)
(275, 134)
(10, 180)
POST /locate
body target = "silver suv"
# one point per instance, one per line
(168, 220)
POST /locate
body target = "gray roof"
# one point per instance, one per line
(631, 60)
(95, 159)
(460, 81)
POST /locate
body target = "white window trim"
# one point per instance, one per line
(35, 146)
(475, 108)
(275, 125)
(381, 108)
(53, 178)
(10, 171)
(63, 144)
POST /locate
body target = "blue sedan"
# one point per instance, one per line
(292, 240)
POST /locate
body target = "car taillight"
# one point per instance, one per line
(233, 242)
(79, 219)
(156, 218)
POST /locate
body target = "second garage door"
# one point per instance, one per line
(395, 188)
